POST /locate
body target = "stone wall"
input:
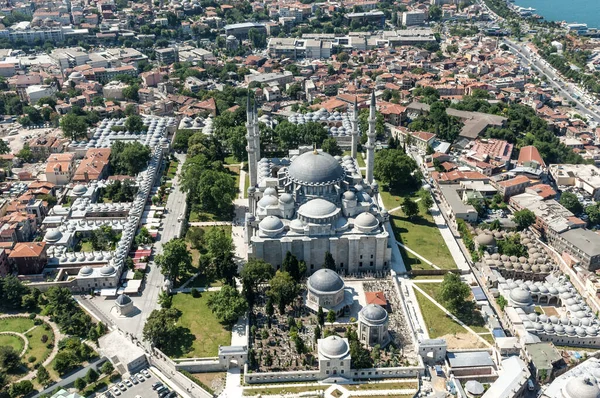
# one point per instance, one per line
(199, 365)
(380, 373)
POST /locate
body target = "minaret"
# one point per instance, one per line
(371, 140)
(354, 133)
(256, 135)
(250, 147)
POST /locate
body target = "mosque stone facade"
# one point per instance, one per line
(314, 203)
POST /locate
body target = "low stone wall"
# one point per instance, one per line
(199, 365)
(381, 373)
(280, 377)
(441, 272)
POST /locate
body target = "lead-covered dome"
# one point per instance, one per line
(334, 347)
(123, 300)
(271, 224)
(521, 297)
(582, 387)
(373, 314)
(318, 210)
(366, 221)
(325, 280)
(313, 168)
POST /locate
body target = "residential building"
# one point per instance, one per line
(94, 165)
(451, 196)
(240, 30)
(35, 92)
(29, 257)
(579, 246)
(513, 186)
(582, 176)
(413, 18)
(167, 56)
(60, 168)
(367, 18)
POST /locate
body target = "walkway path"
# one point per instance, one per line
(57, 337)
(455, 319)
(457, 254)
(346, 393)
(209, 223)
(418, 255)
(22, 337)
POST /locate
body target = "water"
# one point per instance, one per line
(580, 11)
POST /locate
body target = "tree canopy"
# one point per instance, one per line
(128, 158)
(74, 126)
(524, 218)
(175, 259)
(228, 305)
(570, 202)
(395, 169)
(162, 331)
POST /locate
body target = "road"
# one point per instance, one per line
(566, 89)
(171, 228)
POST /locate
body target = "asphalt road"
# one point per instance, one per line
(565, 88)
(171, 227)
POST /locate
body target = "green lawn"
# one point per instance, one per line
(19, 325)
(10, 340)
(246, 185)
(420, 234)
(196, 316)
(383, 386)
(438, 323)
(86, 247)
(202, 216)
(432, 289)
(172, 169)
(281, 390)
(232, 160)
(36, 347)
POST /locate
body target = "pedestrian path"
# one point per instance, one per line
(455, 319)
(417, 254)
(451, 243)
(209, 223)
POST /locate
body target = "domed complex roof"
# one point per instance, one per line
(107, 270)
(123, 300)
(366, 220)
(581, 387)
(79, 190)
(325, 280)
(271, 224)
(334, 347)
(86, 271)
(520, 296)
(318, 209)
(474, 387)
(53, 235)
(315, 168)
(373, 314)
(486, 239)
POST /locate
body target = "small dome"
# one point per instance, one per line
(271, 224)
(318, 208)
(582, 387)
(484, 239)
(123, 300)
(521, 296)
(79, 189)
(349, 195)
(86, 271)
(270, 191)
(268, 200)
(374, 314)
(474, 388)
(53, 235)
(286, 198)
(366, 220)
(325, 280)
(334, 347)
(107, 270)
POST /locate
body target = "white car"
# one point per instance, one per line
(115, 391)
(146, 373)
(128, 383)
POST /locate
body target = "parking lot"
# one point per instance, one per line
(142, 389)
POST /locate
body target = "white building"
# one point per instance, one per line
(327, 290)
(373, 325)
(413, 18)
(35, 92)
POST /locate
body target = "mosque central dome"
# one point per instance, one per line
(315, 168)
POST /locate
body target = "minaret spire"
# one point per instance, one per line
(354, 132)
(371, 140)
(256, 134)
(250, 148)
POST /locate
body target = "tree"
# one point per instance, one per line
(91, 376)
(103, 238)
(329, 262)
(143, 237)
(43, 377)
(162, 331)
(395, 169)
(135, 124)
(410, 207)
(107, 368)
(12, 292)
(331, 146)
(524, 219)
(501, 301)
(129, 158)
(174, 259)
(195, 236)
(331, 316)
(74, 127)
(131, 93)
(257, 272)
(435, 13)
(291, 266)
(321, 316)
(570, 202)
(20, 389)
(4, 148)
(426, 200)
(9, 359)
(317, 334)
(228, 305)
(453, 292)
(283, 289)
(218, 259)
(216, 191)
(511, 246)
(593, 213)
(130, 109)
(25, 153)
(79, 384)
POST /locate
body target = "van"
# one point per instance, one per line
(530, 385)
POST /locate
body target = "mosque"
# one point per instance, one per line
(314, 203)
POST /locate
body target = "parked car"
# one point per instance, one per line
(122, 387)
(116, 391)
(157, 385)
(128, 383)
(146, 373)
(140, 377)
(134, 380)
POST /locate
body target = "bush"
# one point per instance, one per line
(49, 346)
(80, 384)
(37, 321)
(106, 367)
(31, 359)
(32, 316)
(195, 292)
(44, 338)
(114, 377)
